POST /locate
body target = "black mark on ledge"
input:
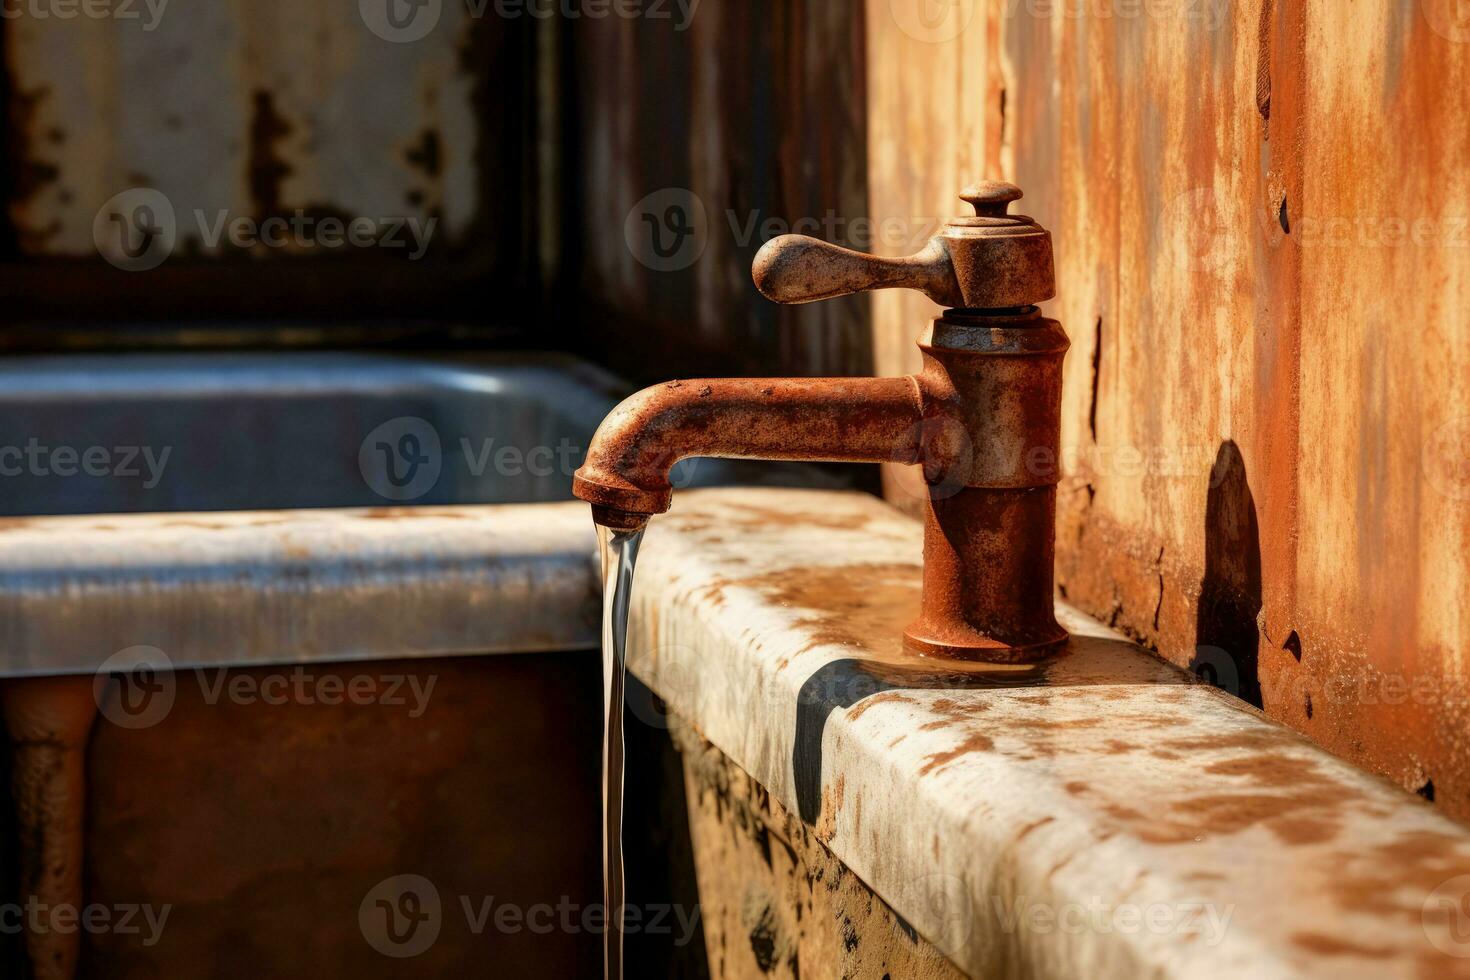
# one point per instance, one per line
(843, 683)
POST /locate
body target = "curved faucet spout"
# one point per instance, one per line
(857, 420)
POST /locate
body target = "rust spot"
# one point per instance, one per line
(1304, 830)
(862, 605)
(1034, 825)
(1263, 60)
(1323, 945)
(1271, 771)
(975, 742)
(401, 513)
(428, 153)
(861, 708)
(267, 169)
(1097, 336)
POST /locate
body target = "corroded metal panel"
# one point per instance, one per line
(266, 825)
(696, 139)
(1262, 225)
(1099, 814)
(251, 587)
(774, 901)
(245, 110)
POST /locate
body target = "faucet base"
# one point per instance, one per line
(988, 576)
(924, 640)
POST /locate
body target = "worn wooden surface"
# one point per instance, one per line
(1261, 215)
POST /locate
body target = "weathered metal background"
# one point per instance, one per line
(243, 111)
(1261, 213)
(772, 620)
(746, 120)
(774, 901)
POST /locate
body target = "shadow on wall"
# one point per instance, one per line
(1230, 594)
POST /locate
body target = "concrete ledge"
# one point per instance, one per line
(1101, 815)
(237, 588)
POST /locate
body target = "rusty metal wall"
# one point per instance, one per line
(774, 901)
(692, 140)
(1261, 212)
(265, 826)
(212, 119)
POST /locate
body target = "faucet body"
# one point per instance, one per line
(982, 418)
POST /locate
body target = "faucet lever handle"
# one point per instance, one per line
(799, 269)
(990, 260)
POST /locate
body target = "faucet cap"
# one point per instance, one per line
(990, 198)
(1000, 260)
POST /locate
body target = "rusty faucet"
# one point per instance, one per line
(983, 418)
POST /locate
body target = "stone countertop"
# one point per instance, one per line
(1098, 815)
(271, 587)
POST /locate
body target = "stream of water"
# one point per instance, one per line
(619, 555)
